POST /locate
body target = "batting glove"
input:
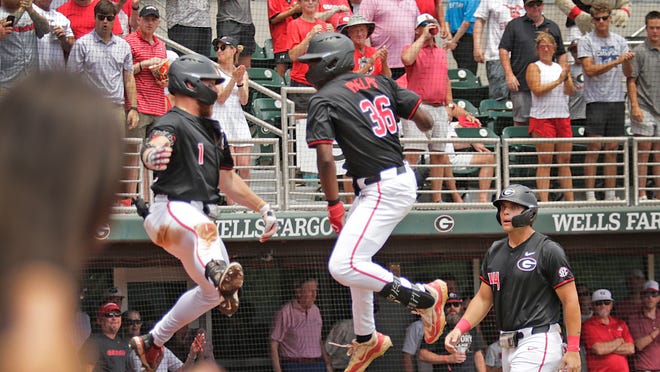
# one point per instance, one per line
(270, 223)
(336, 216)
(619, 17)
(158, 158)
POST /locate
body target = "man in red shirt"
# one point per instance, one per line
(607, 340)
(280, 14)
(81, 15)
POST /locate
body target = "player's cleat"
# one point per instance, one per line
(433, 317)
(150, 355)
(228, 279)
(362, 354)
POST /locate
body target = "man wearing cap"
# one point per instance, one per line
(607, 339)
(368, 60)
(634, 283)
(527, 280)
(518, 50)
(469, 355)
(645, 329)
(106, 351)
(426, 72)
(114, 295)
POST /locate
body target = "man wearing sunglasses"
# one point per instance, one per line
(645, 329)
(106, 351)
(607, 339)
(469, 355)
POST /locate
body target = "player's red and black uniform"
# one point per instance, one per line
(199, 151)
(360, 112)
(523, 280)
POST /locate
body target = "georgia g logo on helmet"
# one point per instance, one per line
(508, 191)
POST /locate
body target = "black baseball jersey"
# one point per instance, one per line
(361, 112)
(524, 279)
(199, 151)
(470, 342)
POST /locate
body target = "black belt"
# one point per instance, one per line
(535, 330)
(376, 178)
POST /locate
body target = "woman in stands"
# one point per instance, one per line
(232, 94)
(551, 85)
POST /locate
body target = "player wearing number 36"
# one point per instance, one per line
(527, 279)
(361, 112)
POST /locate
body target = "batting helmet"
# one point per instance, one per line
(186, 75)
(334, 54)
(520, 195)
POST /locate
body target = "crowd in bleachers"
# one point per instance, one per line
(113, 44)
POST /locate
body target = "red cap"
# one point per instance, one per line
(108, 307)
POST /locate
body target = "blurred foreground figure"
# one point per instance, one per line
(59, 169)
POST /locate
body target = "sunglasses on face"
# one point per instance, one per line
(651, 294)
(103, 17)
(601, 303)
(426, 23)
(133, 322)
(598, 19)
(220, 47)
(112, 314)
(453, 304)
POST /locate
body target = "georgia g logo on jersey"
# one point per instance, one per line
(526, 264)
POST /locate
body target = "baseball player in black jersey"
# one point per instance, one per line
(361, 112)
(190, 156)
(528, 280)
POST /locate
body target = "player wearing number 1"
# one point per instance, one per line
(360, 112)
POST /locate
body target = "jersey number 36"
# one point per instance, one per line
(381, 115)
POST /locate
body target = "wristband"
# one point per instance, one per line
(133, 108)
(464, 326)
(333, 202)
(573, 343)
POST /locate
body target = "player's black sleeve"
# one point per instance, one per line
(406, 101)
(556, 268)
(319, 122)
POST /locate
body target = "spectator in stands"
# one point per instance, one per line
(645, 329)
(551, 85)
(644, 94)
(188, 24)
(410, 349)
(232, 94)
(295, 339)
(200, 347)
(518, 50)
(300, 31)
(235, 19)
(426, 72)
(106, 351)
(54, 48)
(368, 60)
(114, 295)
(280, 14)
(607, 339)
(340, 334)
(82, 17)
(605, 59)
(435, 8)
(576, 103)
(493, 357)
(127, 15)
(395, 24)
(18, 49)
(171, 363)
(335, 12)
(39, 283)
(496, 14)
(635, 284)
(460, 17)
(469, 348)
(584, 296)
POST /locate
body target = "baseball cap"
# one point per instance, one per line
(425, 17)
(227, 40)
(651, 286)
(533, 1)
(454, 297)
(107, 308)
(149, 10)
(356, 20)
(113, 292)
(601, 295)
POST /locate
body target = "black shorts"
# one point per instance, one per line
(244, 33)
(605, 118)
(300, 99)
(282, 58)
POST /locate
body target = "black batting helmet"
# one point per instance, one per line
(520, 195)
(186, 75)
(334, 54)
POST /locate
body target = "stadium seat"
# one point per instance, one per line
(261, 58)
(266, 77)
(476, 133)
(469, 107)
(268, 110)
(499, 114)
(526, 160)
(467, 86)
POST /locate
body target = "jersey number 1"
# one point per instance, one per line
(381, 115)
